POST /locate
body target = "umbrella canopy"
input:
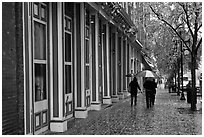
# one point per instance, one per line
(147, 73)
(131, 75)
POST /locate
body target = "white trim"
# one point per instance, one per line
(39, 21)
(24, 68)
(40, 105)
(30, 67)
(51, 62)
(121, 66)
(108, 59)
(126, 62)
(103, 59)
(116, 61)
(75, 60)
(90, 64)
(68, 63)
(37, 61)
(97, 55)
(82, 54)
(60, 60)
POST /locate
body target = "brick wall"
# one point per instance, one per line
(12, 69)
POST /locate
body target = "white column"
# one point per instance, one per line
(121, 95)
(115, 97)
(82, 55)
(82, 112)
(122, 60)
(126, 64)
(60, 59)
(60, 125)
(96, 105)
(103, 59)
(107, 99)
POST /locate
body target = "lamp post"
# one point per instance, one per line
(182, 92)
(177, 79)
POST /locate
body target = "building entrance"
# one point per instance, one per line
(39, 67)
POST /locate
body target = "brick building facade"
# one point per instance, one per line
(61, 60)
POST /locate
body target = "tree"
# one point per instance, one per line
(186, 17)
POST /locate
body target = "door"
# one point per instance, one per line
(87, 59)
(40, 67)
(68, 59)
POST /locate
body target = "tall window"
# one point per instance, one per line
(87, 49)
(40, 50)
(68, 53)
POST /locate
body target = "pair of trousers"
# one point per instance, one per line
(152, 99)
(133, 97)
(148, 99)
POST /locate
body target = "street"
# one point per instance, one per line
(169, 116)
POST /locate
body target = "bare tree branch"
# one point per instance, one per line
(171, 28)
(178, 26)
(187, 20)
(199, 43)
(199, 26)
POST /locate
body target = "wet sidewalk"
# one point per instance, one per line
(169, 116)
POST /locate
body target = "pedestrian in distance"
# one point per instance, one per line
(188, 89)
(149, 86)
(153, 94)
(133, 86)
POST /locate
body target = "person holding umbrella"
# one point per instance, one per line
(133, 86)
(150, 89)
(149, 85)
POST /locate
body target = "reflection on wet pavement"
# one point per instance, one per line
(169, 116)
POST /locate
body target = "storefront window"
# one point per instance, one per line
(40, 82)
(40, 41)
(87, 77)
(39, 46)
(87, 51)
(67, 79)
(36, 9)
(67, 47)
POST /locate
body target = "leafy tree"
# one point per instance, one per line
(184, 19)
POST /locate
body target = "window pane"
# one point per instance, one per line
(40, 41)
(87, 77)
(87, 51)
(67, 47)
(67, 24)
(68, 79)
(36, 9)
(43, 12)
(40, 82)
(69, 9)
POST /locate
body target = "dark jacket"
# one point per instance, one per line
(134, 86)
(150, 86)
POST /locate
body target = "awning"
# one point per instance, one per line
(146, 64)
(136, 43)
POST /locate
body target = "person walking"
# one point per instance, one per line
(133, 86)
(152, 96)
(149, 91)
